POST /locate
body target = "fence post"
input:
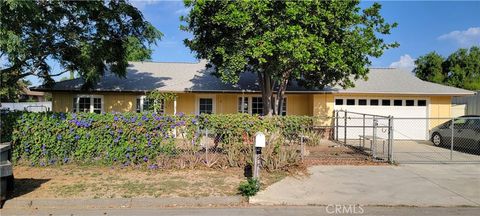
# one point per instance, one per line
(451, 140)
(302, 146)
(363, 142)
(374, 139)
(390, 139)
(206, 146)
(345, 129)
(336, 125)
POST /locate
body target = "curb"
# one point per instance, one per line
(124, 202)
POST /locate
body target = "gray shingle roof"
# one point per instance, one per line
(193, 77)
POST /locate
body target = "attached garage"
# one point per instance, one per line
(415, 110)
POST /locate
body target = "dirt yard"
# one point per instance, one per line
(330, 153)
(103, 182)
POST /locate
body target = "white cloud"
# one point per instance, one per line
(466, 38)
(141, 4)
(406, 62)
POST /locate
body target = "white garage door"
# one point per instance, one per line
(415, 128)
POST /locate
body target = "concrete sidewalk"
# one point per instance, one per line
(411, 185)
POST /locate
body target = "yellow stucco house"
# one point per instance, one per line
(387, 92)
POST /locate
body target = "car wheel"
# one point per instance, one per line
(437, 139)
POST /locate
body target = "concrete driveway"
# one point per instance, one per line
(410, 151)
(411, 185)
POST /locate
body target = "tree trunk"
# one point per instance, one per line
(281, 92)
(267, 92)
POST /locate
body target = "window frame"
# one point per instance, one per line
(91, 97)
(409, 100)
(249, 100)
(251, 105)
(244, 99)
(205, 96)
(401, 102)
(141, 106)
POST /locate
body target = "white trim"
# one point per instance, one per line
(91, 97)
(205, 96)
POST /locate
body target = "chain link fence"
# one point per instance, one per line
(410, 140)
(446, 140)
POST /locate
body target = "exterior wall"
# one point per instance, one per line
(299, 104)
(115, 102)
(320, 105)
(227, 103)
(440, 107)
(62, 102)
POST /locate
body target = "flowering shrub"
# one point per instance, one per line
(137, 138)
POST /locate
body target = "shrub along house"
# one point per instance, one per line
(387, 92)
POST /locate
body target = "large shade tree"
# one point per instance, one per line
(87, 37)
(460, 69)
(315, 43)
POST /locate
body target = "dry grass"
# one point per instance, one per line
(102, 182)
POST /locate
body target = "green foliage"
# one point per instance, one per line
(249, 188)
(136, 51)
(88, 37)
(142, 138)
(316, 43)
(11, 92)
(461, 69)
(158, 96)
(429, 67)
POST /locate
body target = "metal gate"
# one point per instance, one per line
(369, 133)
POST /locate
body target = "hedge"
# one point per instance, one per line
(127, 138)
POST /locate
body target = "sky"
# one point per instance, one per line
(423, 27)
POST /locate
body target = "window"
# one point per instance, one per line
(385, 102)
(362, 102)
(88, 103)
(257, 105)
(338, 101)
(242, 105)
(350, 102)
(421, 103)
(97, 105)
(374, 102)
(206, 105)
(398, 102)
(144, 104)
(409, 103)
